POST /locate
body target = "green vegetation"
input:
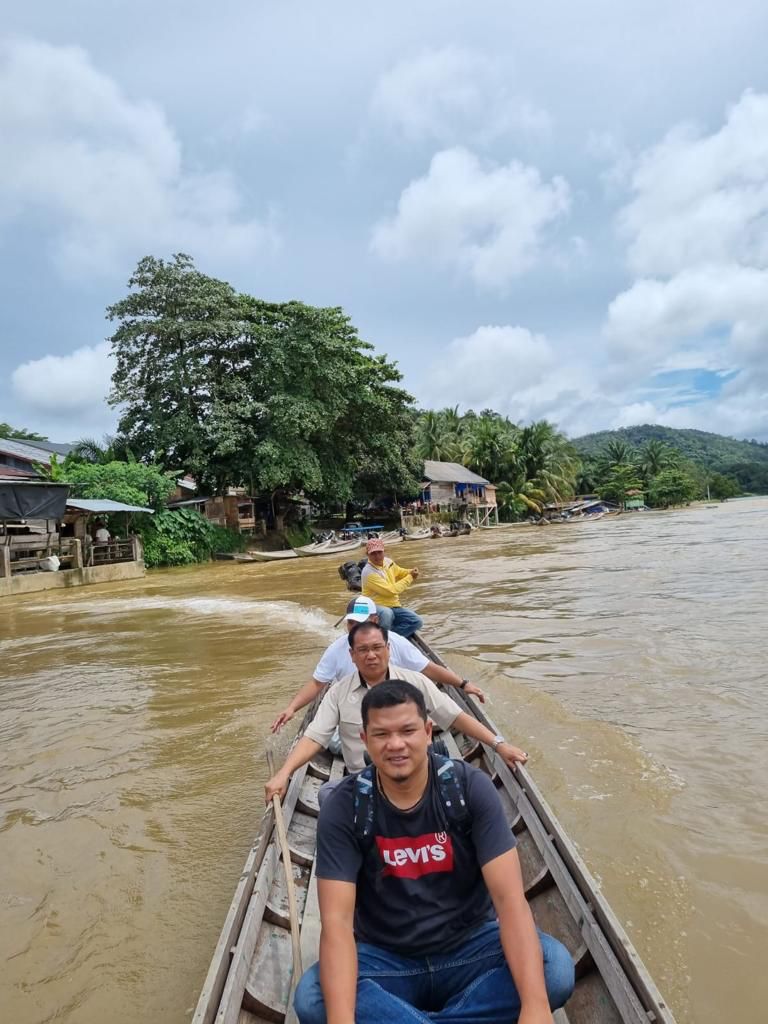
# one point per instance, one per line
(660, 472)
(288, 402)
(745, 462)
(531, 465)
(278, 397)
(671, 487)
(170, 537)
(133, 483)
(19, 434)
(183, 536)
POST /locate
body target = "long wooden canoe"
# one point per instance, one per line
(327, 547)
(249, 980)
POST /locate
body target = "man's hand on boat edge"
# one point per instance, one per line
(475, 691)
(511, 756)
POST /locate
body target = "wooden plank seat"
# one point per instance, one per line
(320, 765)
(307, 802)
(302, 838)
(276, 909)
(269, 976)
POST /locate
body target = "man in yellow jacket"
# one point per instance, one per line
(384, 581)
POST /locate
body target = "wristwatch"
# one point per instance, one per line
(497, 741)
(463, 684)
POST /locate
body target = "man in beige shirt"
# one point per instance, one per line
(369, 649)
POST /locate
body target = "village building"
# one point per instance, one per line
(21, 459)
(46, 543)
(235, 509)
(452, 488)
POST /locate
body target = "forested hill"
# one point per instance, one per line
(747, 461)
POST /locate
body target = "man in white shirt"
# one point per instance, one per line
(340, 708)
(336, 663)
(102, 535)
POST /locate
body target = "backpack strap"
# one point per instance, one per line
(363, 805)
(451, 786)
(453, 794)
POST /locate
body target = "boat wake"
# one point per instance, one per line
(282, 613)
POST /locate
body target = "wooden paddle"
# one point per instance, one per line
(293, 910)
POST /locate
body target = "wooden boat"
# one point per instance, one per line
(423, 534)
(249, 980)
(312, 549)
(272, 556)
(327, 547)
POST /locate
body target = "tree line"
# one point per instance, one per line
(286, 399)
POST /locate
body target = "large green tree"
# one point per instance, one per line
(279, 397)
(671, 487)
(132, 483)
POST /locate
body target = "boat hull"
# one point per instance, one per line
(272, 556)
(328, 548)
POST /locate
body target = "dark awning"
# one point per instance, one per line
(32, 500)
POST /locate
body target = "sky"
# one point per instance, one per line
(554, 210)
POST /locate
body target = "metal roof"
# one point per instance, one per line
(451, 473)
(104, 505)
(22, 450)
(52, 446)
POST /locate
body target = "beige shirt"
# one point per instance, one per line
(341, 707)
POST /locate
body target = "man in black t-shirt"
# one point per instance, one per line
(421, 898)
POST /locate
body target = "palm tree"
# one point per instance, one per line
(113, 448)
(655, 456)
(618, 453)
(489, 447)
(433, 440)
(548, 461)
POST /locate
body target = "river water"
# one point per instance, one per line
(626, 655)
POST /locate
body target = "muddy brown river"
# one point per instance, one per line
(626, 655)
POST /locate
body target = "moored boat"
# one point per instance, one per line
(423, 534)
(327, 547)
(501, 526)
(249, 979)
(272, 556)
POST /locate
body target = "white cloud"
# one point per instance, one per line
(489, 222)
(487, 367)
(106, 172)
(702, 199)
(660, 324)
(453, 95)
(60, 386)
(696, 231)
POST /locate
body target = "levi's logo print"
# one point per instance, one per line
(414, 856)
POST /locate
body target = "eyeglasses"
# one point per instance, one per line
(373, 649)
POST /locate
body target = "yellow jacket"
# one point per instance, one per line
(385, 585)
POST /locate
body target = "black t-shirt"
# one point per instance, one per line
(420, 890)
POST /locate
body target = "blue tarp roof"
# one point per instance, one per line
(362, 529)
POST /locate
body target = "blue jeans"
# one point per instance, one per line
(469, 985)
(399, 620)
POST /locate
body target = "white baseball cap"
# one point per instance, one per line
(360, 609)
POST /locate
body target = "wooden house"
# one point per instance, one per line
(449, 486)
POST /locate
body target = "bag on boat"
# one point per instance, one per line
(450, 785)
